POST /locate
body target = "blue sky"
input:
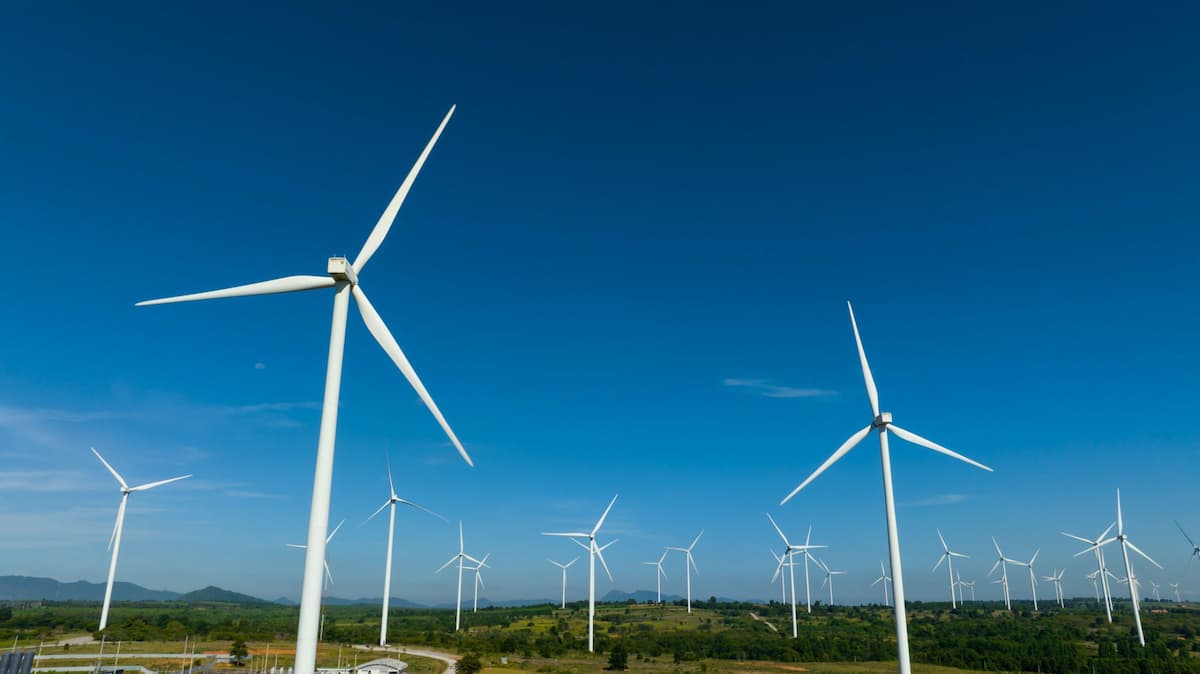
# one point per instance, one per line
(633, 211)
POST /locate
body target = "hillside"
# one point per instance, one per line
(25, 588)
(212, 593)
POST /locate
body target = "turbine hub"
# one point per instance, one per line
(882, 420)
(341, 270)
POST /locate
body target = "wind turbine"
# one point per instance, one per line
(688, 565)
(1126, 546)
(1056, 578)
(885, 579)
(882, 422)
(387, 569)
(114, 541)
(564, 578)
(1093, 576)
(829, 574)
(343, 277)
(1195, 548)
(479, 580)
(970, 584)
(1002, 562)
(594, 551)
(659, 574)
(1175, 587)
(1155, 586)
(1101, 568)
(948, 556)
(326, 582)
(780, 561)
(788, 552)
(459, 557)
(1032, 576)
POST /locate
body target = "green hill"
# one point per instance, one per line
(214, 594)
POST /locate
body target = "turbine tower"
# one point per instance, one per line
(882, 422)
(1155, 586)
(788, 552)
(594, 551)
(659, 574)
(1003, 563)
(688, 566)
(114, 541)
(564, 577)
(343, 277)
(1126, 546)
(885, 579)
(1056, 578)
(1032, 576)
(459, 557)
(1101, 568)
(479, 580)
(387, 569)
(1175, 587)
(948, 556)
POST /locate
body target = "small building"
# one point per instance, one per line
(382, 666)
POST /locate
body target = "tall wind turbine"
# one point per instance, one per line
(659, 573)
(1056, 578)
(1101, 569)
(387, 569)
(789, 551)
(564, 578)
(459, 557)
(1032, 576)
(343, 277)
(882, 422)
(478, 568)
(1003, 563)
(594, 551)
(114, 541)
(829, 574)
(688, 566)
(885, 579)
(1126, 546)
(948, 556)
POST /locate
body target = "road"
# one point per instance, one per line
(449, 658)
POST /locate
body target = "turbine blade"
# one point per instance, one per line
(692, 561)
(1035, 554)
(778, 530)
(696, 540)
(380, 232)
(872, 394)
(1139, 551)
(1120, 525)
(443, 567)
(841, 451)
(152, 485)
(112, 470)
(385, 504)
(569, 535)
(941, 559)
(382, 335)
(327, 573)
(334, 532)
(421, 508)
(287, 284)
(993, 569)
(600, 522)
(295, 545)
(600, 555)
(1078, 538)
(929, 444)
(576, 542)
(391, 486)
(1110, 526)
(1189, 538)
(943, 540)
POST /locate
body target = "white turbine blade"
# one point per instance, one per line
(692, 561)
(823, 582)
(841, 451)
(379, 330)
(576, 542)
(470, 558)
(993, 569)
(664, 556)
(943, 540)
(1081, 539)
(872, 394)
(483, 562)
(1138, 550)
(664, 571)
(600, 555)
(929, 444)
(568, 535)
(958, 554)
(391, 486)
(152, 485)
(778, 530)
(1189, 538)
(1035, 554)
(600, 522)
(941, 559)
(287, 284)
(385, 504)
(327, 573)
(696, 540)
(295, 545)
(334, 532)
(877, 581)
(561, 566)
(479, 577)
(998, 553)
(421, 508)
(1120, 526)
(1110, 526)
(572, 561)
(821, 564)
(443, 567)
(119, 523)
(380, 232)
(1084, 551)
(677, 549)
(110, 468)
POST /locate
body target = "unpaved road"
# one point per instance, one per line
(449, 658)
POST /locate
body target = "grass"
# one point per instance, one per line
(598, 665)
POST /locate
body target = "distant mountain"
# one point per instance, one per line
(286, 602)
(640, 596)
(396, 602)
(212, 593)
(30, 587)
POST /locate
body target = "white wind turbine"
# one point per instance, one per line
(458, 557)
(659, 573)
(789, 551)
(1195, 548)
(1056, 578)
(114, 541)
(326, 582)
(1003, 563)
(1175, 587)
(882, 422)
(948, 556)
(1101, 567)
(1032, 576)
(1093, 576)
(970, 584)
(478, 568)
(688, 566)
(780, 560)
(1126, 546)
(343, 277)
(1155, 586)
(594, 551)
(564, 577)
(829, 574)
(885, 579)
(387, 569)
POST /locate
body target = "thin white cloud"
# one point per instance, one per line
(940, 500)
(47, 481)
(768, 390)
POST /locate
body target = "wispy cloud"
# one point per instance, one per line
(270, 407)
(47, 481)
(940, 500)
(768, 390)
(245, 493)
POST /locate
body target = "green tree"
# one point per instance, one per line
(238, 651)
(469, 664)
(618, 659)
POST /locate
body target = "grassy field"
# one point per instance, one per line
(598, 665)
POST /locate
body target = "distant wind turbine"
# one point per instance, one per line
(327, 581)
(1032, 576)
(1126, 546)
(594, 551)
(1056, 578)
(1175, 587)
(1094, 576)
(659, 573)
(564, 577)
(882, 422)
(343, 277)
(780, 560)
(459, 557)
(948, 556)
(1155, 586)
(114, 541)
(1094, 546)
(885, 579)
(1195, 548)
(479, 580)
(1003, 563)
(789, 551)
(688, 565)
(829, 574)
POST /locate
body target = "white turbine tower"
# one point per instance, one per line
(594, 551)
(882, 422)
(829, 574)
(479, 580)
(789, 551)
(1101, 568)
(1003, 563)
(688, 565)
(343, 277)
(948, 556)
(1130, 577)
(458, 557)
(1093, 576)
(1056, 578)
(1032, 576)
(970, 584)
(387, 569)
(885, 579)
(326, 582)
(564, 577)
(1155, 586)
(659, 573)
(114, 541)
(1175, 587)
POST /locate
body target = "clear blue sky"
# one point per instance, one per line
(633, 207)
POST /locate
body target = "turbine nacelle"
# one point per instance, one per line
(342, 270)
(882, 420)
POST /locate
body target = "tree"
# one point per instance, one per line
(618, 659)
(238, 651)
(469, 664)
